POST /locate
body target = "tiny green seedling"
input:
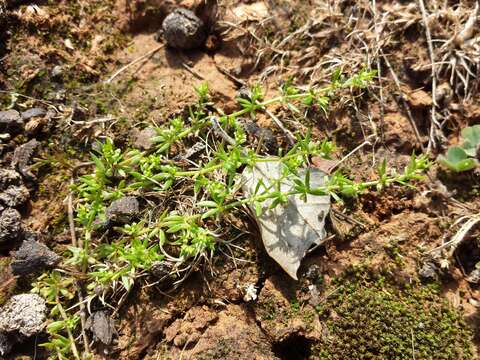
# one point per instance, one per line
(464, 157)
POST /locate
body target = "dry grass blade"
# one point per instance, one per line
(144, 57)
(460, 235)
(435, 126)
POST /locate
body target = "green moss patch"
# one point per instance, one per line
(372, 317)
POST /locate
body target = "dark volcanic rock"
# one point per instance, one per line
(161, 269)
(123, 210)
(32, 257)
(102, 327)
(12, 191)
(14, 196)
(182, 29)
(10, 121)
(10, 225)
(267, 136)
(428, 271)
(34, 112)
(9, 177)
(22, 156)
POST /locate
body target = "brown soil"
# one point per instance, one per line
(207, 317)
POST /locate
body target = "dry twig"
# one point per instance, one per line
(144, 57)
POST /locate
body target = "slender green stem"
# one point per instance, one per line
(201, 171)
(69, 332)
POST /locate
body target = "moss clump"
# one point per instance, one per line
(372, 317)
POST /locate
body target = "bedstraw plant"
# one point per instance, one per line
(189, 185)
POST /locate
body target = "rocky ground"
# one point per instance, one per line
(76, 72)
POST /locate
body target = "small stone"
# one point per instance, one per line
(244, 93)
(266, 135)
(12, 192)
(182, 29)
(22, 156)
(34, 112)
(102, 326)
(313, 273)
(123, 210)
(10, 225)
(9, 177)
(24, 313)
(33, 257)
(143, 139)
(14, 196)
(314, 295)
(474, 276)
(10, 121)
(428, 271)
(250, 293)
(161, 269)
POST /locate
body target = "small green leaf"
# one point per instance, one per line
(258, 209)
(55, 326)
(210, 213)
(456, 154)
(126, 282)
(457, 160)
(471, 138)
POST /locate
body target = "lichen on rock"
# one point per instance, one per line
(24, 313)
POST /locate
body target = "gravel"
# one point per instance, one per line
(10, 121)
(9, 177)
(33, 257)
(14, 196)
(24, 313)
(22, 156)
(123, 210)
(102, 327)
(34, 112)
(10, 225)
(182, 29)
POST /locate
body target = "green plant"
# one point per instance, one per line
(57, 289)
(464, 157)
(190, 200)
